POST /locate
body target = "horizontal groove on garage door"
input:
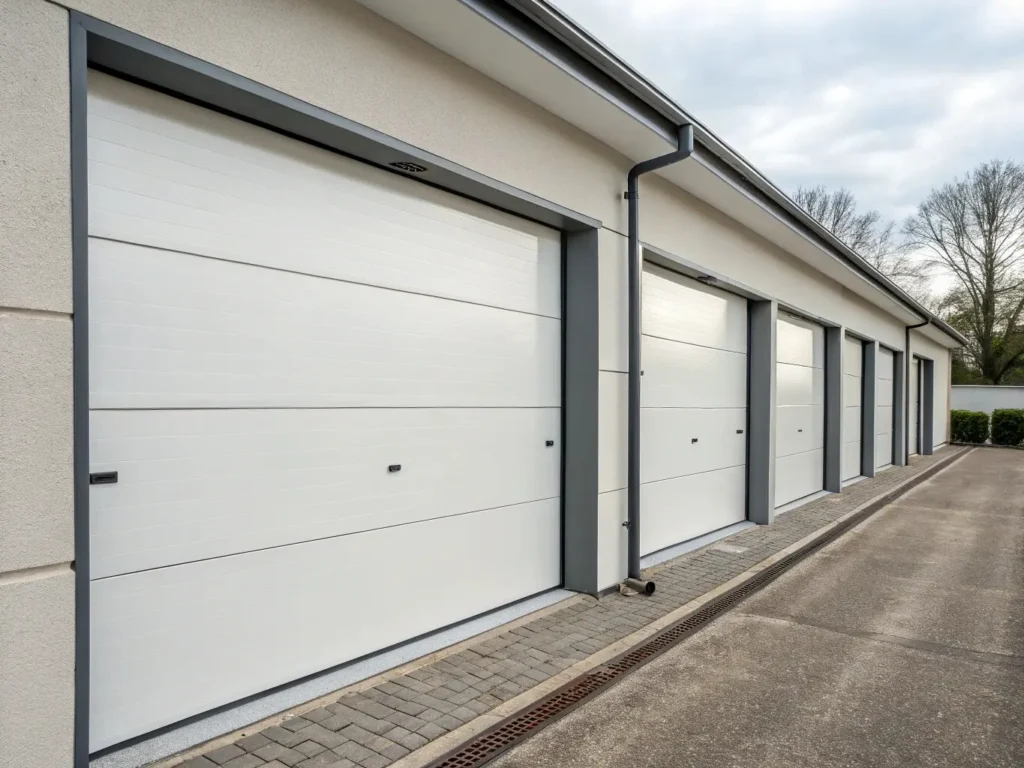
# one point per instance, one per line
(693, 344)
(319, 276)
(321, 538)
(690, 474)
(516, 728)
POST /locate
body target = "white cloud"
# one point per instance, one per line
(888, 97)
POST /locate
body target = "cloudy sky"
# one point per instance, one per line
(886, 97)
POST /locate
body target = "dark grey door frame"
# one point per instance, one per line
(97, 44)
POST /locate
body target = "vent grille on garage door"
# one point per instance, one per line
(515, 729)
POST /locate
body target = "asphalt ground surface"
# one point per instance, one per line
(900, 644)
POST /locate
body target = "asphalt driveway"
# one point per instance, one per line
(901, 644)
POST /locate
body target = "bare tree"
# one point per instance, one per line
(974, 228)
(869, 235)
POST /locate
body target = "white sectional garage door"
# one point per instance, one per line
(694, 409)
(328, 392)
(884, 408)
(853, 364)
(800, 402)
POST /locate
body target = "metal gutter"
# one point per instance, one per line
(571, 35)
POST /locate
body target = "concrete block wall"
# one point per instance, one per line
(36, 494)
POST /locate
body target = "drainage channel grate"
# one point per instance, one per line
(518, 727)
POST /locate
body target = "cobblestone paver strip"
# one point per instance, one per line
(375, 727)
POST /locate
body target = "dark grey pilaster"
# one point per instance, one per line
(580, 413)
(761, 412)
(869, 388)
(927, 407)
(899, 409)
(834, 374)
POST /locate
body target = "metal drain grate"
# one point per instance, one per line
(516, 728)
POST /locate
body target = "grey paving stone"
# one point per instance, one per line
(353, 751)
(465, 714)
(372, 708)
(335, 722)
(394, 752)
(245, 761)
(361, 719)
(323, 760)
(310, 748)
(448, 722)
(295, 723)
(431, 731)
(223, 754)
(408, 722)
(284, 755)
(412, 742)
(476, 706)
(429, 715)
(413, 708)
(375, 761)
(198, 762)
(252, 743)
(316, 715)
(369, 740)
(322, 736)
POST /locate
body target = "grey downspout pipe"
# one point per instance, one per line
(635, 276)
(906, 395)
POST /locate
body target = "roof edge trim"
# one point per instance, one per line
(555, 36)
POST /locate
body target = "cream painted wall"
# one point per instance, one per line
(921, 345)
(36, 515)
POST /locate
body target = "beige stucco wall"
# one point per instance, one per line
(36, 523)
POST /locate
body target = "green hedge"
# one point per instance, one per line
(1008, 426)
(969, 426)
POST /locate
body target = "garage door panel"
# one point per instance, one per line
(799, 428)
(681, 309)
(678, 375)
(272, 327)
(886, 362)
(851, 460)
(798, 475)
(883, 449)
(181, 177)
(668, 448)
(686, 507)
(799, 342)
(884, 393)
(200, 484)
(851, 390)
(883, 419)
(172, 330)
(853, 357)
(799, 385)
(215, 623)
(851, 423)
